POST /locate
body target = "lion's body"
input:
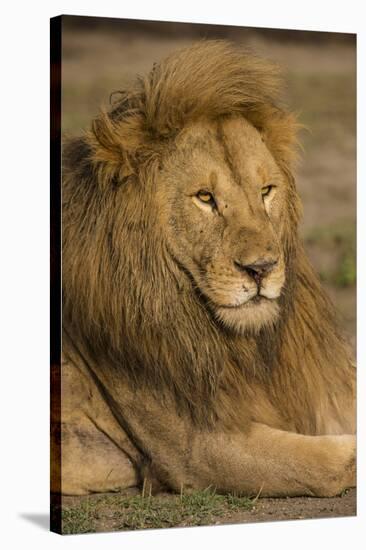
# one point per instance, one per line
(201, 343)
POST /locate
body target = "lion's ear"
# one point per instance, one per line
(115, 145)
(279, 130)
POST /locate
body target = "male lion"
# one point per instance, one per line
(199, 348)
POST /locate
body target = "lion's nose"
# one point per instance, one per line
(256, 270)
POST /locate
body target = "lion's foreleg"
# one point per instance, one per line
(277, 463)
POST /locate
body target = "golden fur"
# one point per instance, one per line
(154, 309)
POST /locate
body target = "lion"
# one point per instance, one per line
(199, 348)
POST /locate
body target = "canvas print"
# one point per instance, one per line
(203, 275)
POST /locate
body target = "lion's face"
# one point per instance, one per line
(221, 201)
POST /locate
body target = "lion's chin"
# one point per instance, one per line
(249, 317)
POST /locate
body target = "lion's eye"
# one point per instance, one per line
(266, 190)
(206, 197)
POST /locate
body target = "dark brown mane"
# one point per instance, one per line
(126, 304)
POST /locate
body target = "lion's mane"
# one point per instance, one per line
(124, 303)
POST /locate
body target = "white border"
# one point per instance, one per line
(24, 219)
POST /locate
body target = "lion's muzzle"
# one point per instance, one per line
(257, 270)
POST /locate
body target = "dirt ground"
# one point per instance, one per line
(276, 509)
(271, 509)
(320, 72)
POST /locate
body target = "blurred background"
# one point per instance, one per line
(102, 55)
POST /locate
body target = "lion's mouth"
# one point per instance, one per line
(255, 301)
(258, 299)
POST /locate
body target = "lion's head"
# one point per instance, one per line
(221, 203)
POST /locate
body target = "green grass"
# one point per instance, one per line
(78, 519)
(116, 512)
(340, 238)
